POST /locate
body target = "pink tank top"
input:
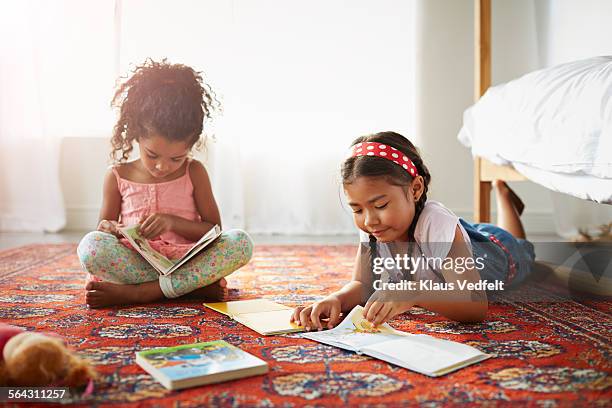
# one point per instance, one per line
(171, 197)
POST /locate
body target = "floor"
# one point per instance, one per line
(15, 239)
(547, 350)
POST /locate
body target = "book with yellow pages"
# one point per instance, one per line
(264, 316)
(417, 352)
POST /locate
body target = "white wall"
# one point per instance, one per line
(569, 30)
(527, 34)
(573, 29)
(445, 88)
(83, 163)
(298, 82)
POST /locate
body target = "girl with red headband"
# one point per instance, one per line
(386, 184)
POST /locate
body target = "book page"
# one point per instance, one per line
(423, 353)
(356, 332)
(162, 264)
(206, 240)
(271, 322)
(213, 233)
(140, 244)
(239, 307)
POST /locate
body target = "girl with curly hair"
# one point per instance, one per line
(162, 108)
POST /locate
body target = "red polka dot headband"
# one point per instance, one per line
(386, 152)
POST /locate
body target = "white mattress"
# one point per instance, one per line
(581, 186)
(553, 125)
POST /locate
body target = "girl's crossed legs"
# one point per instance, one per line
(127, 278)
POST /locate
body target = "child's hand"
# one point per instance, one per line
(154, 225)
(310, 317)
(110, 227)
(378, 310)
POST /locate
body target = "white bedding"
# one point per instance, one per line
(553, 125)
(586, 187)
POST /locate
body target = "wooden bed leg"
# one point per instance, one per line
(482, 80)
(484, 201)
(482, 195)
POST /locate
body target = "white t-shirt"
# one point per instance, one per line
(434, 235)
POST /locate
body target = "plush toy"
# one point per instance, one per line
(35, 359)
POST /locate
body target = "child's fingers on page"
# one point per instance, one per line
(375, 296)
(315, 314)
(158, 227)
(295, 317)
(149, 223)
(142, 229)
(383, 315)
(374, 309)
(334, 316)
(151, 229)
(376, 317)
(367, 306)
(305, 317)
(143, 232)
(154, 231)
(145, 223)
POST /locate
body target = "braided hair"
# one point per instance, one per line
(372, 166)
(169, 99)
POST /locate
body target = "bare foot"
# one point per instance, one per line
(216, 291)
(503, 190)
(103, 294)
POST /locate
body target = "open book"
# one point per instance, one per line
(191, 365)
(264, 316)
(417, 352)
(162, 264)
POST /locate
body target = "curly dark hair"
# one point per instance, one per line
(372, 166)
(169, 99)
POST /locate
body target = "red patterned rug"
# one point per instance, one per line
(548, 353)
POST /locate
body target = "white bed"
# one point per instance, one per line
(554, 126)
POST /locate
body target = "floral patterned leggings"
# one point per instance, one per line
(105, 257)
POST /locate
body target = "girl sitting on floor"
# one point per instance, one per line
(162, 107)
(386, 183)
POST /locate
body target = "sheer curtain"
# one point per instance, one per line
(56, 75)
(298, 82)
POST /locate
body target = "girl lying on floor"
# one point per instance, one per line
(162, 107)
(386, 183)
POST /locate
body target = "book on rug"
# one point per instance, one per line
(196, 364)
(417, 352)
(264, 316)
(158, 261)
